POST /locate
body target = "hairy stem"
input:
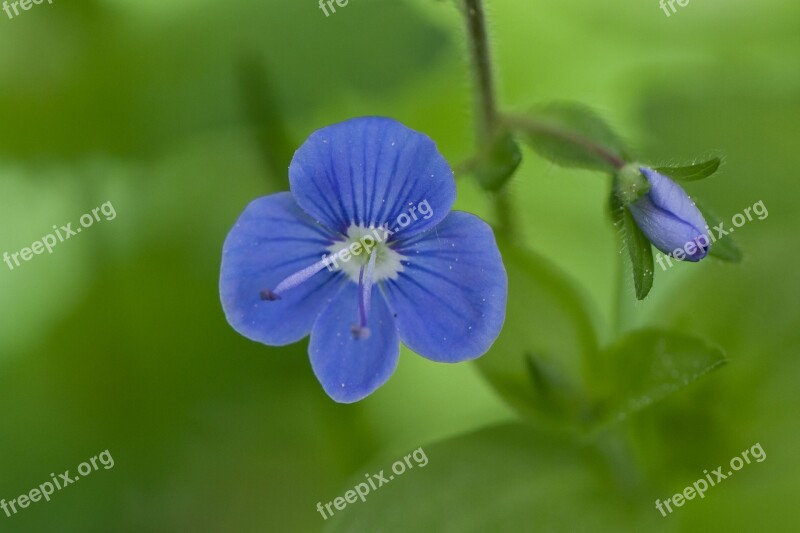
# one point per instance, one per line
(482, 70)
(503, 210)
(487, 118)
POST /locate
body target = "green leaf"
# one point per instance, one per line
(725, 248)
(646, 366)
(499, 163)
(548, 343)
(572, 135)
(641, 254)
(691, 172)
(504, 478)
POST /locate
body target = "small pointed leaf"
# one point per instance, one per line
(692, 172)
(641, 254)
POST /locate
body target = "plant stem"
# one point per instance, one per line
(487, 119)
(482, 69)
(503, 211)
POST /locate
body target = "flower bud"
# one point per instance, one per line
(669, 218)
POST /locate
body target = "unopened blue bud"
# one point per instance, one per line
(670, 220)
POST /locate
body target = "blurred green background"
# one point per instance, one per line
(180, 112)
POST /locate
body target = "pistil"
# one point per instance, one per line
(366, 278)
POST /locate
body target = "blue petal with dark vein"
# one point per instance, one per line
(450, 298)
(350, 369)
(272, 239)
(369, 171)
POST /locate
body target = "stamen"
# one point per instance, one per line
(293, 280)
(365, 282)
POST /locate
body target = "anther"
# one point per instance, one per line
(269, 296)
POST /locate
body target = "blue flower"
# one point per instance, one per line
(362, 254)
(669, 218)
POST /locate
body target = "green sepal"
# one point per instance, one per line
(692, 172)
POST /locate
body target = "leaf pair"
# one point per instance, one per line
(548, 364)
(570, 135)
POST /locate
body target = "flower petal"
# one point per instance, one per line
(351, 369)
(450, 299)
(272, 239)
(370, 171)
(668, 217)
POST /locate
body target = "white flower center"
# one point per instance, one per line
(354, 252)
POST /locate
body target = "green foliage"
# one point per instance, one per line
(640, 252)
(503, 478)
(547, 363)
(548, 343)
(118, 342)
(646, 366)
(724, 248)
(572, 135)
(695, 172)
